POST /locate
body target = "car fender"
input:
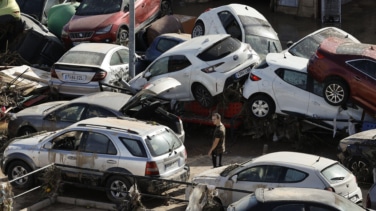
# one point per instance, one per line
(119, 171)
(18, 156)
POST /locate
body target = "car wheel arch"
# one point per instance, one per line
(25, 127)
(338, 79)
(19, 157)
(198, 22)
(266, 96)
(121, 28)
(115, 171)
(20, 166)
(199, 89)
(356, 159)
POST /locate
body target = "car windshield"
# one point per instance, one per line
(82, 57)
(98, 7)
(260, 35)
(162, 143)
(308, 46)
(335, 173)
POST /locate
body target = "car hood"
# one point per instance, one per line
(209, 175)
(151, 89)
(357, 138)
(38, 110)
(31, 141)
(82, 23)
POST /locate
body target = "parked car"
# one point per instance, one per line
(358, 153)
(38, 9)
(371, 197)
(108, 21)
(60, 114)
(205, 66)
(293, 199)
(83, 68)
(242, 22)
(307, 46)
(281, 79)
(347, 70)
(279, 169)
(90, 152)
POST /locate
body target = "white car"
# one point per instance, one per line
(205, 66)
(280, 84)
(279, 169)
(242, 22)
(307, 46)
(82, 68)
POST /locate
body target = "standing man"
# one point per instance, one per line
(218, 146)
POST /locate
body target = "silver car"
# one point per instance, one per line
(81, 69)
(60, 114)
(102, 152)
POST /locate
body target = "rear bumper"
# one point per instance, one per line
(74, 89)
(159, 186)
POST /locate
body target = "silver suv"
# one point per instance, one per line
(94, 151)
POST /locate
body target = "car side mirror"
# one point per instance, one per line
(147, 75)
(289, 43)
(234, 178)
(52, 117)
(48, 145)
(126, 8)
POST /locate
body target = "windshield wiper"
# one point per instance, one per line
(171, 149)
(337, 178)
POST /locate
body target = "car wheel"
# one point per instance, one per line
(166, 8)
(123, 37)
(198, 29)
(203, 96)
(26, 131)
(335, 92)
(117, 188)
(19, 169)
(361, 169)
(261, 106)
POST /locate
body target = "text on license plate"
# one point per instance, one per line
(172, 165)
(74, 77)
(243, 72)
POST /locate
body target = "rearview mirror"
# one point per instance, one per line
(48, 145)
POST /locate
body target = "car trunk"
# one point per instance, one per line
(75, 74)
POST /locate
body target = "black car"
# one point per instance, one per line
(358, 153)
(293, 199)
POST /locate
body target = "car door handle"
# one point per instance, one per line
(111, 161)
(72, 158)
(357, 78)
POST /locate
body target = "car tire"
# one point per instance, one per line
(198, 29)
(117, 188)
(203, 96)
(335, 92)
(166, 8)
(261, 106)
(18, 169)
(123, 37)
(361, 168)
(26, 131)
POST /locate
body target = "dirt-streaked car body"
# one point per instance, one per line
(348, 71)
(242, 22)
(279, 169)
(204, 65)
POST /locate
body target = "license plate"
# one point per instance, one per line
(172, 165)
(243, 72)
(74, 77)
(354, 199)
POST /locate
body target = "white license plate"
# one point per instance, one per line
(172, 165)
(74, 77)
(243, 72)
(354, 199)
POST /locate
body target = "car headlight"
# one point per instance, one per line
(104, 30)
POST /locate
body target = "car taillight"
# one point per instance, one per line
(330, 189)
(99, 76)
(319, 55)
(253, 77)
(151, 169)
(53, 72)
(211, 68)
(368, 201)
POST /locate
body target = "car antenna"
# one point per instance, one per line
(318, 159)
(284, 55)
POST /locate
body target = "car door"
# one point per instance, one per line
(290, 91)
(63, 117)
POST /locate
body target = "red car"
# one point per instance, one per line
(348, 71)
(108, 20)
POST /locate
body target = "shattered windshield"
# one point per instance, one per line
(98, 7)
(260, 35)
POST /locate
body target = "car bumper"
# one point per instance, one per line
(159, 186)
(356, 196)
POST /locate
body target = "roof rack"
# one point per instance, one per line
(108, 127)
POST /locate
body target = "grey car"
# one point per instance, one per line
(60, 114)
(371, 197)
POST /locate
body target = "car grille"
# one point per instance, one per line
(80, 35)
